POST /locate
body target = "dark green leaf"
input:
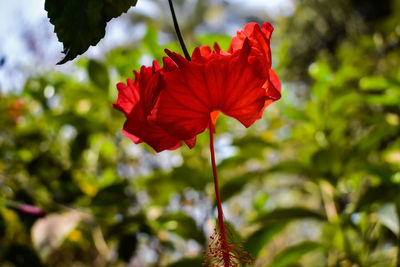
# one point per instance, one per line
(129, 225)
(112, 197)
(232, 162)
(252, 146)
(21, 255)
(253, 141)
(287, 215)
(188, 262)
(2, 224)
(294, 167)
(188, 176)
(127, 246)
(98, 74)
(382, 171)
(325, 160)
(81, 23)
(376, 194)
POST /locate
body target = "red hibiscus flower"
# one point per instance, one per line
(239, 83)
(166, 105)
(136, 100)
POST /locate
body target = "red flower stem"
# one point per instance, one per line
(225, 247)
(178, 31)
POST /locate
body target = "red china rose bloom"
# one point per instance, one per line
(239, 83)
(164, 106)
(136, 100)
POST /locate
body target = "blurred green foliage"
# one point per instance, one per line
(316, 182)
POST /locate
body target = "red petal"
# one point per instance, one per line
(149, 89)
(276, 84)
(273, 89)
(128, 95)
(229, 83)
(179, 110)
(156, 66)
(205, 51)
(168, 64)
(138, 126)
(191, 142)
(267, 29)
(133, 138)
(136, 100)
(259, 40)
(247, 96)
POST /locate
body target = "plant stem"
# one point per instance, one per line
(225, 248)
(178, 31)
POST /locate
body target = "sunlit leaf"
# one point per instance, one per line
(373, 83)
(388, 217)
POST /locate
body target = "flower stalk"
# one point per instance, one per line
(221, 226)
(178, 31)
(223, 251)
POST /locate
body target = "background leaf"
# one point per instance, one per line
(260, 238)
(287, 215)
(188, 262)
(293, 254)
(98, 74)
(183, 225)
